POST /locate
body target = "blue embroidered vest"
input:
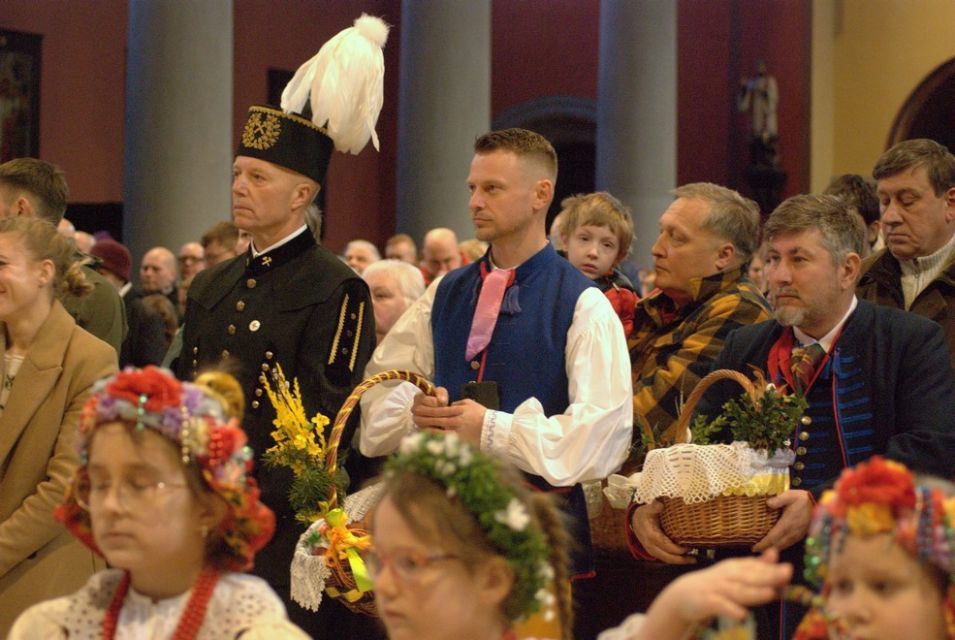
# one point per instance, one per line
(525, 356)
(840, 431)
(526, 353)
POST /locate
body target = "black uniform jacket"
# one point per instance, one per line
(298, 306)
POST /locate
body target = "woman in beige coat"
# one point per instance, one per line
(48, 367)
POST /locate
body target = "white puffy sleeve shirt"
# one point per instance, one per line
(589, 441)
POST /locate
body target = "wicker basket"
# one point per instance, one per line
(724, 521)
(341, 583)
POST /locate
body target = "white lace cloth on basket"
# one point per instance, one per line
(309, 571)
(698, 473)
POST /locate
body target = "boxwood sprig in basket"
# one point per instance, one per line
(765, 423)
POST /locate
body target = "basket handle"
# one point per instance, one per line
(681, 428)
(331, 457)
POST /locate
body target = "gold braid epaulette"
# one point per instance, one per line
(338, 331)
(331, 458)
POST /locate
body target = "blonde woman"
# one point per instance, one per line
(49, 365)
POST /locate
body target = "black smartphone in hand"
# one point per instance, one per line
(484, 393)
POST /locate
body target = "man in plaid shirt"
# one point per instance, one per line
(707, 237)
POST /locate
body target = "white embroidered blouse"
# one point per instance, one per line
(241, 606)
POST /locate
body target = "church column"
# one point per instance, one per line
(444, 104)
(178, 127)
(637, 110)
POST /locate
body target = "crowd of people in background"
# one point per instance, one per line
(726, 288)
(549, 366)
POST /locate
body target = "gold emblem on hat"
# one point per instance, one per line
(261, 131)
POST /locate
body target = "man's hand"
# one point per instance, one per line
(432, 413)
(428, 411)
(793, 523)
(646, 526)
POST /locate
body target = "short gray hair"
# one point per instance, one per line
(409, 278)
(732, 217)
(372, 249)
(842, 231)
(313, 219)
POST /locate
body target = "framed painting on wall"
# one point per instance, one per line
(19, 94)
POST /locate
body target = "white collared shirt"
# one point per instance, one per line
(256, 253)
(589, 441)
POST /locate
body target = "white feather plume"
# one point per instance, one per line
(345, 81)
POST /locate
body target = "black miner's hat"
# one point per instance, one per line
(333, 101)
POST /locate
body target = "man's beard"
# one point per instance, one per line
(790, 316)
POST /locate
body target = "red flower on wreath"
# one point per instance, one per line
(161, 390)
(877, 481)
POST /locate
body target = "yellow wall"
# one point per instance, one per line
(880, 51)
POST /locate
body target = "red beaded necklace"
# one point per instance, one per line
(192, 615)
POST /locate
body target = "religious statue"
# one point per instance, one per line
(759, 96)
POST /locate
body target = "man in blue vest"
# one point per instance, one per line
(879, 381)
(528, 356)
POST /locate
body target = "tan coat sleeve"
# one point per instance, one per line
(31, 525)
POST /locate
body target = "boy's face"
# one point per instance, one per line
(878, 590)
(592, 249)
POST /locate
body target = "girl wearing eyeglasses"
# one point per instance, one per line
(165, 494)
(47, 367)
(462, 549)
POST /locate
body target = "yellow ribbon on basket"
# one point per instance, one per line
(345, 544)
(764, 484)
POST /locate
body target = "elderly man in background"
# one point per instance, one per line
(145, 343)
(707, 237)
(157, 274)
(439, 254)
(192, 260)
(402, 247)
(361, 253)
(157, 271)
(916, 270)
(394, 286)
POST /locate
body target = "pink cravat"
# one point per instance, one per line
(488, 307)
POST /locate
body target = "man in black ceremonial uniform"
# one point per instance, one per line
(287, 301)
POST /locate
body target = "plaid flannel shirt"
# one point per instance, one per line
(672, 348)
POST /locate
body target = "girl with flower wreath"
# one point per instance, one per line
(881, 546)
(164, 493)
(462, 549)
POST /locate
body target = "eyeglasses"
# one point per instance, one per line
(407, 565)
(133, 495)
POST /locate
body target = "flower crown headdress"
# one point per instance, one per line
(195, 419)
(472, 479)
(881, 496)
